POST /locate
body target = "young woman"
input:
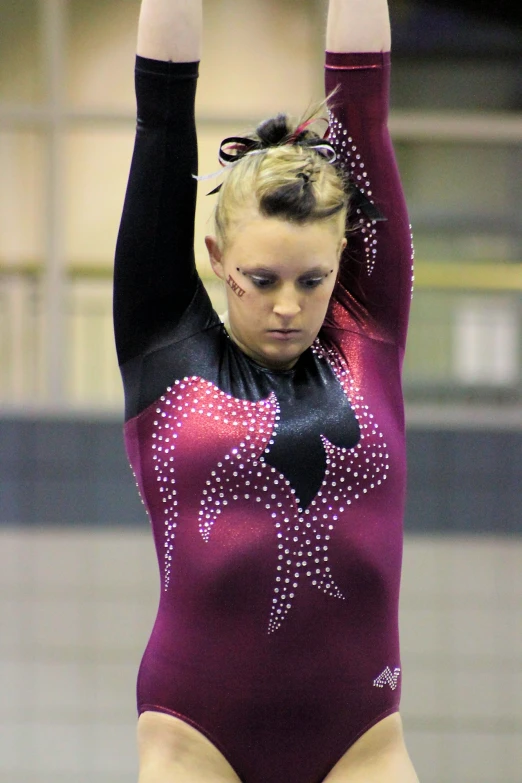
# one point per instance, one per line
(269, 449)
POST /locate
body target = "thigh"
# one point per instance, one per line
(172, 751)
(379, 756)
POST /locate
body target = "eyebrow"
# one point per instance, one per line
(316, 271)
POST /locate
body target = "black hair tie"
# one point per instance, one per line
(234, 148)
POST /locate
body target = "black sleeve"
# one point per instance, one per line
(155, 276)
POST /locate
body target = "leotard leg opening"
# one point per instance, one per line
(189, 722)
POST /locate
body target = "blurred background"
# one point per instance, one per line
(77, 569)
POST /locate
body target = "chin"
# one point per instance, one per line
(281, 360)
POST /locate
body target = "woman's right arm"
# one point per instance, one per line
(155, 276)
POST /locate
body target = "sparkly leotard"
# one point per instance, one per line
(275, 498)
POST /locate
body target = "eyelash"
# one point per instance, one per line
(308, 284)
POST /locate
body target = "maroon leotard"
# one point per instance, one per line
(275, 498)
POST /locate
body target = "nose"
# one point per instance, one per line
(286, 304)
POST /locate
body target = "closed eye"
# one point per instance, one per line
(262, 282)
(309, 283)
(265, 282)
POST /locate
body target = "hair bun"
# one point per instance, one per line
(273, 131)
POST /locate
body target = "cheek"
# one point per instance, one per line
(245, 310)
(234, 286)
(321, 302)
(329, 292)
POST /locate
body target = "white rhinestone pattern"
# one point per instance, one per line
(350, 161)
(196, 397)
(140, 495)
(352, 473)
(387, 677)
(412, 250)
(302, 535)
(241, 474)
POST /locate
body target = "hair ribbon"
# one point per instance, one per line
(235, 148)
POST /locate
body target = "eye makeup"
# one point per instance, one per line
(264, 279)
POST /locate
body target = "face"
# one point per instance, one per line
(279, 279)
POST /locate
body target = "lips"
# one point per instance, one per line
(284, 334)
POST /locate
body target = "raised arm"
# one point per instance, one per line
(155, 276)
(374, 288)
(170, 30)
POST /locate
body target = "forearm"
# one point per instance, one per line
(358, 26)
(170, 30)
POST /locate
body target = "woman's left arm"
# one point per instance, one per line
(374, 288)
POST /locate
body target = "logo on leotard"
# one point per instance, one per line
(387, 677)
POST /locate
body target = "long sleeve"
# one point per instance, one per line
(155, 276)
(374, 288)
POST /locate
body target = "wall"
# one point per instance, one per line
(73, 471)
(77, 606)
(79, 587)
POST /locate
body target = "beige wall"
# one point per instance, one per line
(76, 609)
(268, 60)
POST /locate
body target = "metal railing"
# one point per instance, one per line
(464, 345)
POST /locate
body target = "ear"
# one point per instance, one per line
(342, 246)
(215, 256)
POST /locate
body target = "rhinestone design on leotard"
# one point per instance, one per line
(253, 421)
(412, 251)
(387, 677)
(350, 161)
(303, 535)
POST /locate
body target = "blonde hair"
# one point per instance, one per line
(284, 175)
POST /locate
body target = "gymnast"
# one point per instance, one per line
(268, 445)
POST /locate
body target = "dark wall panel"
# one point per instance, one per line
(464, 481)
(75, 472)
(64, 472)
